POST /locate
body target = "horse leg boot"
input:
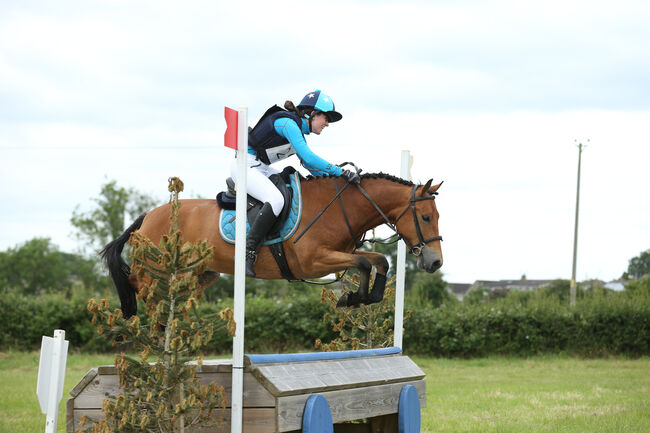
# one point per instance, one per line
(378, 288)
(259, 229)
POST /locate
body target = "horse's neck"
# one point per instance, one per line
(390, 197)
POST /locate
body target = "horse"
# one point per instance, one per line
(328, 246)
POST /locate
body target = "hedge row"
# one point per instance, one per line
(614, 325)
(271, 326)
(597, 327)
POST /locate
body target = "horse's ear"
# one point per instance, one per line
(425, 188)
(435, 187)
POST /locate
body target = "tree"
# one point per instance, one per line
(37, 267)
(559, 290)
(106, 221)
(366, 327)
(640, 286)
(639, 266)
(476, 296)
(164, 395)
(431, 289)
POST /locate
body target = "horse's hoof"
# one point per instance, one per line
(343, 300)
(349, 299)
(208, 277)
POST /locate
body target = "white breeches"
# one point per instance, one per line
(258, 184)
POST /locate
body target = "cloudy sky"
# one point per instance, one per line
(489, 96)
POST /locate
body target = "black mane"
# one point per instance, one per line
(380, 175)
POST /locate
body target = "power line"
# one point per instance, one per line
(108, 147)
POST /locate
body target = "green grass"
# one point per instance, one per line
(541, 394)
(19, 408)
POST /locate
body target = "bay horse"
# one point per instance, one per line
(328, 246)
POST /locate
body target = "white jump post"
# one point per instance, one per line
(51, 375)
(398, 331)
(240, 274)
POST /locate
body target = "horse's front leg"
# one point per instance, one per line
(379, 286)
(336, 261)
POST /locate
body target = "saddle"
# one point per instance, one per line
(285, 226)
(227, 200)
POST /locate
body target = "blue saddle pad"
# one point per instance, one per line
(289, 227)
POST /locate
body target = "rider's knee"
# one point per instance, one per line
(277, 202)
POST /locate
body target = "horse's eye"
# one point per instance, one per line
(426, 218)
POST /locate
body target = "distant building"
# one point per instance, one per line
(460, 290)
(616, 285)
(523, 284)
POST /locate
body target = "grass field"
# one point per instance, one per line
(536, 395)
(542, 394)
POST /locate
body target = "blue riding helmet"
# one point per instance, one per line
(321, 102)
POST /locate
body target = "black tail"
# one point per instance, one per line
(120, 270)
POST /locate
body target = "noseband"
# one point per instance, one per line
(416, 250)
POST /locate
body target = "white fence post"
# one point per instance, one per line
(398, 331)
(240, 275)
(51, 375)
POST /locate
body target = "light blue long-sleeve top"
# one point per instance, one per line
(317, 166)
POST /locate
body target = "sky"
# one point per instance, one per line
(490, 96)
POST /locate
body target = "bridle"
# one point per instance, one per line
(416, 250)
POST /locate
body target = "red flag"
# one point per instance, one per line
(230, 137)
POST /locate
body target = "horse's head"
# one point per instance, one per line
(418, 225)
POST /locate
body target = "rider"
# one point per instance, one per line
(278, 135)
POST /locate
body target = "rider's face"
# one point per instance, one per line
(318, 123)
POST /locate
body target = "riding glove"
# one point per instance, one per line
(351, 176)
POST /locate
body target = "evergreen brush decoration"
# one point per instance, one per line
(159, 388)
(366, 327)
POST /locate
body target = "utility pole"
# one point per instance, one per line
(572, 288)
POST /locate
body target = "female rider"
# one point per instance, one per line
(278, 135)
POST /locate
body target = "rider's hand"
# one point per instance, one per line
(351, 176)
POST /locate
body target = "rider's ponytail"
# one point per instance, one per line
(301, 113)
(289, 106)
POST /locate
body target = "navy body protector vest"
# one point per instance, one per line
(268, 144)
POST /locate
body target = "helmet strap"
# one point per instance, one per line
(308, 117)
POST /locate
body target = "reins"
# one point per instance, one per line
(338, 194)
(415, 249)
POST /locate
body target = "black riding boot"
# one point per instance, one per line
(260, 228)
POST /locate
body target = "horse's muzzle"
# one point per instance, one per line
(429, 260)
